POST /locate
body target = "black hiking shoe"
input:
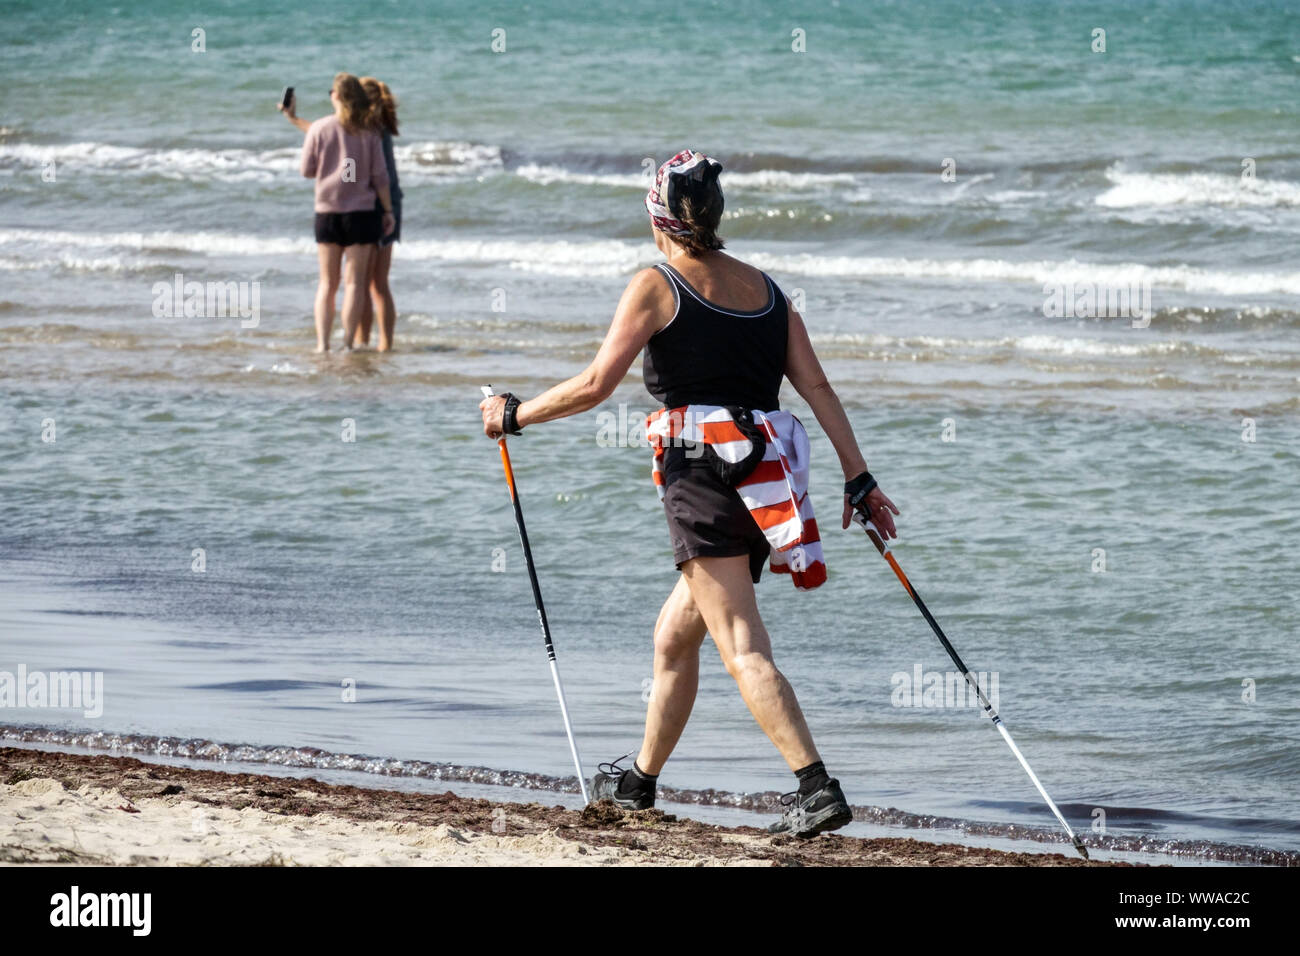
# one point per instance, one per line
(605, 786)
(826, 809)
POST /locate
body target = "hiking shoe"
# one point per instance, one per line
(605, 786)
(826, 809)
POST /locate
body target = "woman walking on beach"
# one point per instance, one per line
(345, 157)
(383, 113)
(731, 468)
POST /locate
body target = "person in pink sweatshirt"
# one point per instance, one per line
(344, 154)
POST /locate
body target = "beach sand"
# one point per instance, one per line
(58, 808)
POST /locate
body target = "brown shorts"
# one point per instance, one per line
(707, 518)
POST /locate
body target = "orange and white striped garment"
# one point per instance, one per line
(775, 492)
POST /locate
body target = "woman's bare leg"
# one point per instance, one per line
(679, 632)
(382, 296)
(723, 591)
(355, 273)
(362, 336)
(329, 256)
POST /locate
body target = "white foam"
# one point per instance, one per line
(561, 257)
(417, 161)
(445, 159)
(547, 175)
(554, 257)
(232, 244)
(1050, 344)
(600, 258)
(1185, 278)
(965, 184)
(76, 263)
(770, 180)
(1060, 346)
(226, 165)
(1194, 189)
(780, 179)
(1008, 197)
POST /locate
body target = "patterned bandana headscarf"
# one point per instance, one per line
(662, 199)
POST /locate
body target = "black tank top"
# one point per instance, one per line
(713, 356)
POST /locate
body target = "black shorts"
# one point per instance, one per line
(349, 228)
(706, 517)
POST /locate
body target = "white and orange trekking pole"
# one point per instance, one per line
(883, 547)
(541, 608)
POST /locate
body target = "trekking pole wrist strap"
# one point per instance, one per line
(858, 488)
(509, 420)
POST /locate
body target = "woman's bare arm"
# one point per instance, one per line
(805, 373)
(646, 306)
(386, 203)
(291, 114)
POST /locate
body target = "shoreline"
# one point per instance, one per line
(97, 809)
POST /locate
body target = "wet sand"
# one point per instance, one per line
(58, 808)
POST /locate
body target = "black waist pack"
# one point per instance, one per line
(732, 473)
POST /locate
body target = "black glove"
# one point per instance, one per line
(857, 489)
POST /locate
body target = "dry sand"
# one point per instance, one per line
(106, 810)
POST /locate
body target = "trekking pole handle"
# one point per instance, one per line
(872, 531)
(488, 393)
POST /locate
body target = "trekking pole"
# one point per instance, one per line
(883, 547)
(541, 608)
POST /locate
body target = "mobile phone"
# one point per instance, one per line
(288, 97)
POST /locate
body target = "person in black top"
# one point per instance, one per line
(715, 331)
(715, 356)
